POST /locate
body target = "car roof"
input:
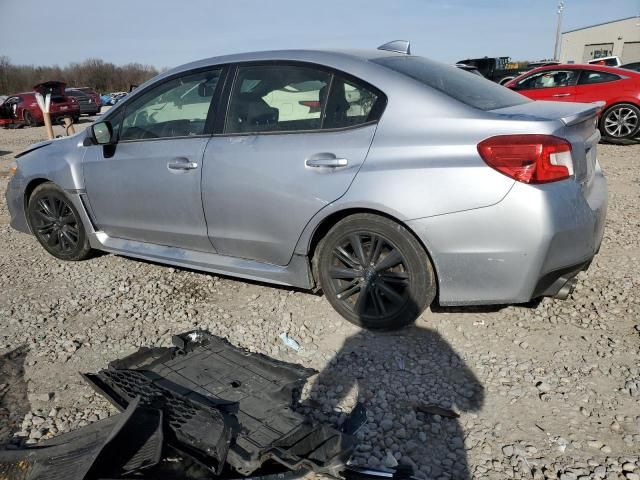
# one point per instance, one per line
(579, 66)
(299, 55)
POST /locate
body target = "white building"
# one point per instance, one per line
(618, 37)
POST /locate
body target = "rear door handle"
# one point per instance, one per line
(181, 164)
(326, 162)
(561, 95)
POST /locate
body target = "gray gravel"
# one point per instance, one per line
(546, 391)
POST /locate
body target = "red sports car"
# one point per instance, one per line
(23, 106)
(618, 88)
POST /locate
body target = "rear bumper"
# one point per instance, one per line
(526, 246)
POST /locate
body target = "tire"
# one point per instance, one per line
(374, 272)
(29, 121)
(56, 224)
(620, 123)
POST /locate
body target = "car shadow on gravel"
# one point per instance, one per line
(414, 386)
(14, 402)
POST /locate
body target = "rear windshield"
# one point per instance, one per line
(465, 87)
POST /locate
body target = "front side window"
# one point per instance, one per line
(277, 98)
(549, 79)
(176, 108)
(588, 77)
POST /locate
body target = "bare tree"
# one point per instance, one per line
(93, 72)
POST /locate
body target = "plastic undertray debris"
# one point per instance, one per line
(116, 446)
(223, 404)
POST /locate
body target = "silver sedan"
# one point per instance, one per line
(387, 180)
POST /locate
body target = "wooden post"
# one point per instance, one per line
(44, 104)
(47, 124)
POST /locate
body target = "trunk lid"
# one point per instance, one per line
(56, 89)
(576, 122)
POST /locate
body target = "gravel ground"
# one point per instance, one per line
(544, 391)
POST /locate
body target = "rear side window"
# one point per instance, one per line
(351, 104)
(588, 77)
(472, 90)
(549, 79)
(289, 98)
(271, 98)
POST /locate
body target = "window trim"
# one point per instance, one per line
(233, 75)
(587, 71)
(211, 113)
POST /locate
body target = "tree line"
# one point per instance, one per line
(95, 73)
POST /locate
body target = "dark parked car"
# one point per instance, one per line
(92, 93)
(23, 106)
(635, 66)
(87, 103)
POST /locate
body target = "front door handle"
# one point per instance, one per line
(181, 164)
(326, 162)
(561, 95)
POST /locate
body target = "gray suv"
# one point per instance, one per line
(385, 179)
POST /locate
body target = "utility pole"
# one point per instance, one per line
(556, 50)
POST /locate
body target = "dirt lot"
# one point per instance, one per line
(549, 391)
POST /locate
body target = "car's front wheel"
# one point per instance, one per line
(621, 122)
(374, 272)
(56, 223)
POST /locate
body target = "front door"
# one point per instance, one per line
(295, 137)
(555, 85)
(147, 187)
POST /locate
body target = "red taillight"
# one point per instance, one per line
(528, 158)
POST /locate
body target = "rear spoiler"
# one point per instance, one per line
(584, 114)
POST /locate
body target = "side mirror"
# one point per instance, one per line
(102, 133)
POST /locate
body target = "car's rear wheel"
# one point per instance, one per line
(374, 272)
(56, 223)
(620, 122)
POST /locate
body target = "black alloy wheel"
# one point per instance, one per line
(374, 272)
(56, 224)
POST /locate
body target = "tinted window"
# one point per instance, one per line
(350, 104)
(472, 90)
(176, 108)
(632, 66)
(277, 98)
(549, 79)
(588, 77)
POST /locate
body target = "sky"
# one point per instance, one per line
(166, 33)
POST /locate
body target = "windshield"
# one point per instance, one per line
(463, 86)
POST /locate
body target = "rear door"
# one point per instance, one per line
(595, 85)
(294, 138)
(556, 85)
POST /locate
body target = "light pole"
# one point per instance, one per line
(556, 50)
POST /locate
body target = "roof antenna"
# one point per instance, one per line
(398, 46)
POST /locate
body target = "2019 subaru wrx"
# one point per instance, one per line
(385, 179)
